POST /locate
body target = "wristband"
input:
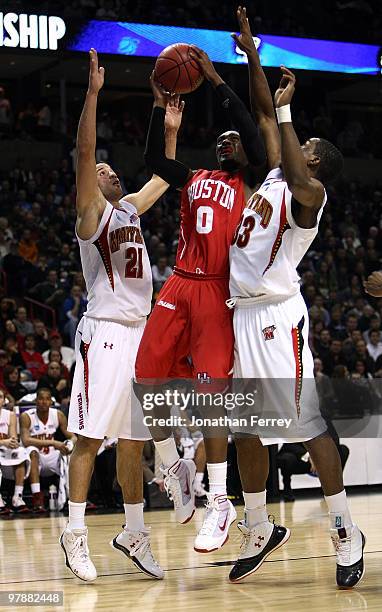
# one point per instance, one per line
(283, 114)
(69, 445)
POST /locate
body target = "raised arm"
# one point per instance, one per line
(307, 191)
(157, 152)
(239, 115)
(259, 92)
(156, 187)
(90, 202)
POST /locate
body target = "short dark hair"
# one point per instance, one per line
(43, 390)
(331, 161)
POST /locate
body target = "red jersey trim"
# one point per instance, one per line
(102, 245)
(283, 226)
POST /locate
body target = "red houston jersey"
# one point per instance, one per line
(212, 202)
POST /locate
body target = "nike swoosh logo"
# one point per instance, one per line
(222, 527)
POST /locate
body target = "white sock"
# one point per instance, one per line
(167, 451)
(217, 477)
(77, 515)
(18, 490)
(134, 517)
(255, 508)
(339, 510)
(35, 487)
(198, 479)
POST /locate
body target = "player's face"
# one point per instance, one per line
(109, 183)
(230, 152)
(309, 151)
(44, 401)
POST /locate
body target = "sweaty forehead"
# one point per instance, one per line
(102, 166)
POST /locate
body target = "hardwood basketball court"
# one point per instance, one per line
(299, 576)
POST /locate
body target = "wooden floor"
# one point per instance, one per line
(299, 576)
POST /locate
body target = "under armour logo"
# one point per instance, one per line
(268, 332)
(225, 103)
(204, 378)
(106, 345)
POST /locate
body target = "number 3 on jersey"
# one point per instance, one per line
(243, 231)
(204, 219)
(134, 262)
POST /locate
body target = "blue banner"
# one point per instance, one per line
(144, 40)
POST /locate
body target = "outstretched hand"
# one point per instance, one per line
(174, 112)
(96, 74)
(245, 40)
(205, 64)
(161, 96)
(285, 91)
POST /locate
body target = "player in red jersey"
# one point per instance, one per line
(189, 333)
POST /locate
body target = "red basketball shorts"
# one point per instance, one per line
(189, 333)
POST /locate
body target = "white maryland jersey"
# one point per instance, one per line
(5, 417)
(268, 245)
(116, 267)
(43, 431)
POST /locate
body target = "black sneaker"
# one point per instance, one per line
(257, 544)
(348, 544)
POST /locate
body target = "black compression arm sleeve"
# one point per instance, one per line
(244, 123)
(173, 172)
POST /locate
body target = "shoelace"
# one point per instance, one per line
(80, 543)
(142, 547)
(173, 490)
(209, 523)
(342, 547)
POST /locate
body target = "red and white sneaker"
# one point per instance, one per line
(219, 515)
(179, 486)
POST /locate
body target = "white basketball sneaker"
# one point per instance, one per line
(179, 485)
(75, 546)
(257, 544)
(19, 505)
(348, 544)
(219, 515)
(136, 546)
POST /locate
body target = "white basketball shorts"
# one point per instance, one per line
(49, 459)
(271, 348)
(101, 400)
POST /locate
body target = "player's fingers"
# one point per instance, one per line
(175, 100)
(235, 37)
(181, 106)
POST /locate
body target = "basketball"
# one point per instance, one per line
(176, 71)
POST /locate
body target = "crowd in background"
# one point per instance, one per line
(39, 260)
(41, 121)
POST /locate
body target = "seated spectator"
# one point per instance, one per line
(14, 356)
(73, 308)
(361, 354)
(23, 325)
(48, 291)
(28, 249)
(41, 336)
(37, 429)
(334, 358)
(5, 113)
(14, 460)
(160, 271)
(13, 384)
(374, 325)
(53, 380)
(4, 361)
(33, 360)
(374, 345)
(55, 355)
(67, 353)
